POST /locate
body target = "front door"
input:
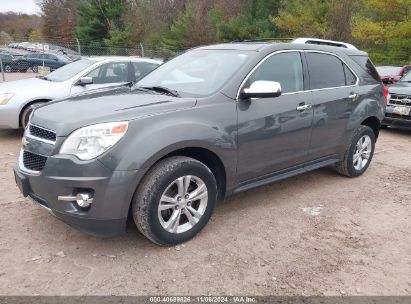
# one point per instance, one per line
(274, 133)
(105, 75)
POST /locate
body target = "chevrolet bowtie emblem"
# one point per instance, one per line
(25, 142)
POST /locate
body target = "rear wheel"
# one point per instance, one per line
(35, 69)
(175, 200)
(7, 68)
(359, 153)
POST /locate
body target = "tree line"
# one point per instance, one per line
(380, 27)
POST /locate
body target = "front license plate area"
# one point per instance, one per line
(400, 110)
(22, 183)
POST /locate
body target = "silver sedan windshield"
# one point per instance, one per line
(69, 70)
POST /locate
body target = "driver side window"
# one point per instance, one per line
(114, 72)
(284, 68)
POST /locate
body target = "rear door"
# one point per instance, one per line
(335, 95)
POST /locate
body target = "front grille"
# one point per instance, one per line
(403, 100)
(33, 161)
(42, 133)
(397, 116)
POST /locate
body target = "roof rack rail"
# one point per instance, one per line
(324, 42)
(262, 40)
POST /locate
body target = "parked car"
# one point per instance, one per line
(13, 64)
(52, 61)
(17, 98)
(391, 74)
(398, 110)
(200, 127)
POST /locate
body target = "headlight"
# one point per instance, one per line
(89, 142)
(4, 98)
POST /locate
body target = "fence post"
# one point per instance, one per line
(78, 47)
(142, 49)
(2, 70)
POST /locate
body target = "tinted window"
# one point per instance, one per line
(350, 78)
(285, 68)
(326, 71)
(114, 72)
(365, 63)
(141, 69)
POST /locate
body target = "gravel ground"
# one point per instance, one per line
(315, 234)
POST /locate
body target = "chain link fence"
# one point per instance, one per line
(17, 50)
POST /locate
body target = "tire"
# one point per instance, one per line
(384, 126)
(25, 115)
(348, 166)
(7, 68)
(35, 69)
(161, 181)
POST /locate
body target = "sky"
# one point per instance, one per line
(19, 6)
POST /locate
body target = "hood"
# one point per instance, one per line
(27, 84)
(403, 88)
(65, 116)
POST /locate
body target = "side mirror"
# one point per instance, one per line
(85, 81)
(262, 89)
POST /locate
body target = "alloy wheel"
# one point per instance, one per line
(183, 204)
(362, 152)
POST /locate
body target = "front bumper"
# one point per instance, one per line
(396, 120)
(9, 116)
(67, 176)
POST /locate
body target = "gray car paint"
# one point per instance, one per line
(253, 149)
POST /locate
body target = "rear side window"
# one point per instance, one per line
(350, 78)
(365, 63)
(326, 71)
(285, 68)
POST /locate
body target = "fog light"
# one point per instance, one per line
(84, 200)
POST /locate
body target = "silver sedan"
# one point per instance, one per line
(18, 98)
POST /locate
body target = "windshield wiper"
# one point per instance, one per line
(164, 90)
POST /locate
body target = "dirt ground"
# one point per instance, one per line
(315, 234)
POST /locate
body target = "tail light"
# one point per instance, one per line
(386, 95)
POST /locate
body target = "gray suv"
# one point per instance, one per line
(212, 122)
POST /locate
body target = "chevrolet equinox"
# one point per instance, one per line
(212, 122)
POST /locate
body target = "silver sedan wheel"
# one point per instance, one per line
(362, 152)
(182, 204)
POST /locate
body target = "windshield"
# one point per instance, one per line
(69, 70)
(388, 70)
(196, 73)
(407, 77)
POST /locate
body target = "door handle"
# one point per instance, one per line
(304, 107)
(353, 96)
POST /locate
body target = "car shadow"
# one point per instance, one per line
(397, 130)
(12, 134)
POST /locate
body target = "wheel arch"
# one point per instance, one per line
(203, 155)
(374, 123)
(30, 103)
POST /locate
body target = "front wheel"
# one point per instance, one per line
(7, 68)
(175, 200)
(359, 153)
(25, 115)
(35, 69)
